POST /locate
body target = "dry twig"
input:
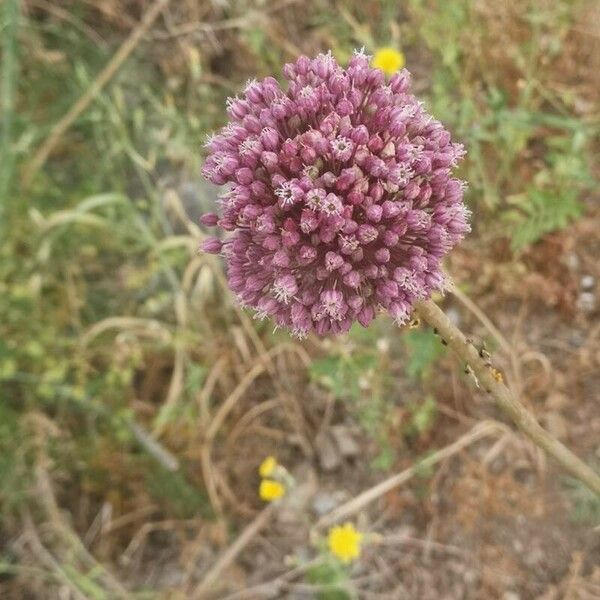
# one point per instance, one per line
(233, 551)
(480, 431)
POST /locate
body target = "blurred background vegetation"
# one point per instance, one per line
(136, 399)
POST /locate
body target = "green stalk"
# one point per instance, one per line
(10, 15)
(504, 398)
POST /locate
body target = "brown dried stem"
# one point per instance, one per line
(227, 558)
(478, 432)
(504, 398)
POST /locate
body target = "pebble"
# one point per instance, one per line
(572, 261)
(587, 302)
(325, 502)
(329, 455)
(345, 441)
(587, 282)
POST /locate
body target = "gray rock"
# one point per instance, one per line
(329, 454)
(587, 302)
(587, 282)
(345, 441)
(325, 501)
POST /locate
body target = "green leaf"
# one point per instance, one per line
(424, 349)
(423, 416)
(184, 499)
(541, 212)
(332, 579)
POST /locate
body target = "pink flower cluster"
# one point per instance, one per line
(340, 198)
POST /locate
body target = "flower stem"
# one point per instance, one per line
(504, 398)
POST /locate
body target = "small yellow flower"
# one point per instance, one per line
(267, 466)
(344, 542)
(389, 60)
(270, 490)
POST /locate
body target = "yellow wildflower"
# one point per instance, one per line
(389, 60)
(267, 466)
(344, 542)
(270, 490)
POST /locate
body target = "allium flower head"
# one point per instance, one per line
(340, 200)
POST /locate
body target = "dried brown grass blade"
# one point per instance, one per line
(480, 431)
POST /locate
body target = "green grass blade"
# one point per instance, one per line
(10, 15)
